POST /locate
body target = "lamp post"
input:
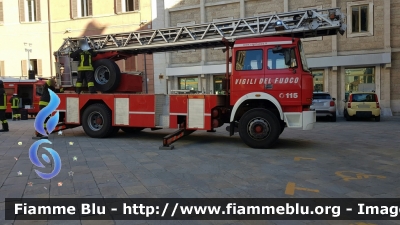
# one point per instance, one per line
(28, 48)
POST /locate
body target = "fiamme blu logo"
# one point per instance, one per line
(50, 126)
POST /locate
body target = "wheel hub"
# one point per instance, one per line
(95, 121)
(102, 75)
(258, 129)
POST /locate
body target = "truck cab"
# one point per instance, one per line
(276, 69)
(28, 90)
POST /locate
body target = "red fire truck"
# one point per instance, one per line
(29, 90)
(269, 88)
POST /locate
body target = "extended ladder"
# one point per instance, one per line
(301, 24)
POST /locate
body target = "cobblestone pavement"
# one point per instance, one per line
(333, 160)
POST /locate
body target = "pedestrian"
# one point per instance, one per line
(3, 107)
(45, 99)
(15, 107)
(85, 68)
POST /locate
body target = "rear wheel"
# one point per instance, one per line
(333, 118)
(107, 75)
(97, 121)
(346, 115)
(377, 118)
(259, 128)
(131, 130)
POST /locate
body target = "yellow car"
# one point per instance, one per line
(362, 105)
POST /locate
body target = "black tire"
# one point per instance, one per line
(333, 118)
(97, 121)
(259, 119)
(346, 115)
(283, 125)
(131, 130)
(377, 118)
(107, 75)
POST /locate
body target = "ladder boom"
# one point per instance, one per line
(299, 24)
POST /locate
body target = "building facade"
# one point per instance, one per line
(44, 24)
(24, 33)
(365, 58)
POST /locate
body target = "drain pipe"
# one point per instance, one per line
(145, 72)
(50, 38)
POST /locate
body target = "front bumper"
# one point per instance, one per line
(304, 120)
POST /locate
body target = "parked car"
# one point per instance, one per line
(362, 105)
(324, 105)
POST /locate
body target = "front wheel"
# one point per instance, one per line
(259, 128)
(97, 121)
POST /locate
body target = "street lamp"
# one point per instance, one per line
(28, 48)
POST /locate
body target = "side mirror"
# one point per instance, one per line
(288, 58)
(344, 100)
(334, 99)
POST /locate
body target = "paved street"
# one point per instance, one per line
(344, 159)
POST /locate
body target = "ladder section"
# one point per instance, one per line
(301, 24)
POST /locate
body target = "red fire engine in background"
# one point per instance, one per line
(269, 88)
(28, 90)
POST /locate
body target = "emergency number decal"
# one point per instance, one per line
(281, 80)
(288, 95)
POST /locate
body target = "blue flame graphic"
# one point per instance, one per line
(45, 112)
(35, 160)
(39, 127)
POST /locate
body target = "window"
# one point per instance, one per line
(81, 8)
(2, 70)
(318, 80)
(34, 64)
(321, 96)
(29, 10)
(363, 98)
(9, 91)
(360, 18)
(1, 12)
(249, 60)
(218, 84)
(39, 90)
(122, 6)
(359, 79)
(188, 83)
(283, 59)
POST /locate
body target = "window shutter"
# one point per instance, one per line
(2, 72)
(90, 8)
(136, 7)
(74, 8)
(1, 12)
(39, 67)
(38, 16)
(24, 67)
(118, 6)
(21, 11)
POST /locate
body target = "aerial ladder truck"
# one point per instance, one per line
(269, 87)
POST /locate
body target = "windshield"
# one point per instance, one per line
(303, 57)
